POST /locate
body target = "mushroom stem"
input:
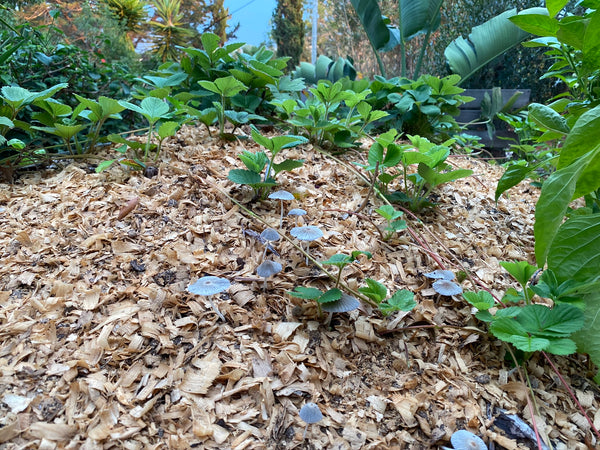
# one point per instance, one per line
(281, 217)
(265, 285)
(214, 307)
(304, 434)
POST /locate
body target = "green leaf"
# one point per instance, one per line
(17, 144)
(225, 86)
(481, 300)
(554, 6)
(484, 316)
(557, 193)
(6, 122)
(547, 118)
(306, 293)
(538, 24)
(338, 260)
(151, 108)
(591, 45)
(521, 271)
(575, 252)
(486, 42)
(396, 225)
(588, 338)
(512, 176)
(277, 143)
(389, 213)
(241, 176)
(402, 300)
(330, 296)
(529, 344)
(167, 129)
(287, 165)
(419, 17)
(161, 82)
(372, 21)
(118, 139)
(255, 162)
(105, 165)
(560, 321)
(563, 346)
(583, 137)
(375, 290)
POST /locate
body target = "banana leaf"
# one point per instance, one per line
(418, 17)
(374, 25)
(486, 42)
(373, 22)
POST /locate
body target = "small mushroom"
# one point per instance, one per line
(207, 286)
(465, 440)
(269, 235)
(441, 275)
(344, 304)
(310, 413)
(281, 196)
(266, 269)
(307, 233)
(296, 212)
(447, 288)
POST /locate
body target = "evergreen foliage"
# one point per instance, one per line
(288, 30)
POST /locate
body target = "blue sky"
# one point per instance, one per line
(253, 17)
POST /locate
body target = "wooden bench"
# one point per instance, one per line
(471, 111)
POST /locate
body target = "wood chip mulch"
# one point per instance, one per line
(102, 347)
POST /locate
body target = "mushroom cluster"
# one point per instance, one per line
(444, 284)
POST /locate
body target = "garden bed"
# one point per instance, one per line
(101, 346)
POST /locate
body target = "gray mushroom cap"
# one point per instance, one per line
(447, 288)
(441, 275)
(465, 440)
(296, 212)
(344, 304)
(270, 234)
(306, 233)
(268, 268)
(209, 285)
(281, 195)
(310, 413)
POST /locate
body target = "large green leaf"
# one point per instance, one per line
(548, 118)
(588, 338)
(372, 21)
(591, 45)
(538, 24)
(557, 193)
(17, 96)
(419, 16)
(151, 108)
(486, 42)
(584, 135)
(575, 252)
(554, 6)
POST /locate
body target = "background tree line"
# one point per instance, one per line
(116, 28)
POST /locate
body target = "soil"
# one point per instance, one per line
(102, 346)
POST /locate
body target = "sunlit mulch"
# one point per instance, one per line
(102, 347)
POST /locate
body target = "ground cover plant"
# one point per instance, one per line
(167, 229)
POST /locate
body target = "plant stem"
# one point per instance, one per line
(593, 427)
(531, 412)
(371, 187)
